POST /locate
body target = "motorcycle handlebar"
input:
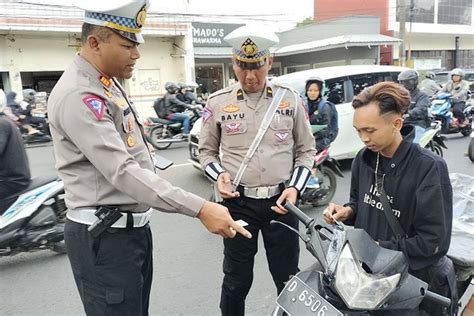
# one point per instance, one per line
(302, 217)
(438, 299)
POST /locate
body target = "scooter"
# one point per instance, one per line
(353, 274)
(34, 218)
(441, 111)
(161, 133)
(326, 171)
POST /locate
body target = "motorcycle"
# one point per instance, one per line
(433, 140)
(353, 274)
(440, 109)
(34, 218)
(161, 133)
(326, 171)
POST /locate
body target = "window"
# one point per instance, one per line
(210, 78)
(422, 11)
(290, 69)
(360, 82)
(334, 90)
(455, 12)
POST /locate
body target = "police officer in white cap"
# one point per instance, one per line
(108, 172)
(278, 169)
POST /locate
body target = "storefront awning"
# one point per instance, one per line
(337, 42)
(212, 52)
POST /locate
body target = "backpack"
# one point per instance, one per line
(160, 108)
(334, 119)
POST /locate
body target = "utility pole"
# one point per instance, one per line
(412, 6)
(402, 14)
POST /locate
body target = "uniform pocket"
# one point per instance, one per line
(281, 130)
(234, 133)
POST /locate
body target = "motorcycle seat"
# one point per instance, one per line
(36, 183)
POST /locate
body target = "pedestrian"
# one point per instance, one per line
(277, 171)
(108, 172)
(413, 181)
(15, 174)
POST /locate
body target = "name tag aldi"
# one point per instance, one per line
(298, 299)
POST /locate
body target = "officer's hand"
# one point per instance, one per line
(290, 194)
(217, 220)
(225, 186)
(337, 212)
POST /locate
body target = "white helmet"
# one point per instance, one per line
(457, 72)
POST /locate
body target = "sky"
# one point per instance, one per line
(280, 13)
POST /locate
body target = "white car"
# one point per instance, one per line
(341, 84)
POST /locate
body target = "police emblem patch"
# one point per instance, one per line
(206, 115)
(232, 128)
(96, 105)
(282, 135)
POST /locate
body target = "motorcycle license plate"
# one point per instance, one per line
(299, 299)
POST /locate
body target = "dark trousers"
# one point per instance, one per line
(281, 245)
(113, 272)
(458, 113)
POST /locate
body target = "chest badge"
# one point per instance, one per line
(130, 141)
(107, 93)
(231, 108)
(284, 105)
(232, 128)
(130, 124)
(282, 136)
(120, 102)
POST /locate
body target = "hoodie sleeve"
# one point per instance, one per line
(430, 232)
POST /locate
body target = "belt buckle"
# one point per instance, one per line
(263, 192)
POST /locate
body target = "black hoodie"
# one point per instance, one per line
(419, 190)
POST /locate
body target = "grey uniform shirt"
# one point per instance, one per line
(99, 147)
(231, 120)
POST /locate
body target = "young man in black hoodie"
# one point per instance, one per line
(415, 181)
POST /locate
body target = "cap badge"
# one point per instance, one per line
(141, 17)
(249, 48)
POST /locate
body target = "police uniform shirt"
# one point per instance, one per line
(230, 123)
(99, 147)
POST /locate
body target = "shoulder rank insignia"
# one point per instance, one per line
(95, 104)
(240, 95)
(269, 92)
(105, 81)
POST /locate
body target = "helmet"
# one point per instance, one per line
(409, 79)
(315, 80)
(171, 87)
(430, 75)
(29, 95)
(457, 72)
(181, 85)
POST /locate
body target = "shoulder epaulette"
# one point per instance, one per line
(221, 92)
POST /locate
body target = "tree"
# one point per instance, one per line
(307, 21)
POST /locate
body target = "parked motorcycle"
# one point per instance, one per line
(161, 133)
(326, 171)
(441, 111)
(353, 274)
(34, 218)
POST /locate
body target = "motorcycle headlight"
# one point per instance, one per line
(357, 288)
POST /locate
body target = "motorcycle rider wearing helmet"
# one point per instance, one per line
(428, 85)
(459, 89)
(29, 96)
(15, 173)
(175, 107)
(318, 115)
(417, 113)
(187, 95)
(18, 114)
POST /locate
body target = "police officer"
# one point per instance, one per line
(103, 159)
(278, 170)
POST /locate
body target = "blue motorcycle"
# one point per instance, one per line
(441, 111)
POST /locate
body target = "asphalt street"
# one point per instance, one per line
(187, 259)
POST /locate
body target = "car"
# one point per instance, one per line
(342, 83)
(442, 77)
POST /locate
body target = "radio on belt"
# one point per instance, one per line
(107, 216)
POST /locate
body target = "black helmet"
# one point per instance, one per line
(430, 75)
(171, 87)
(29, 95)
(409, 79)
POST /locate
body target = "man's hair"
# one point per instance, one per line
(102, 32)
(389, 96)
